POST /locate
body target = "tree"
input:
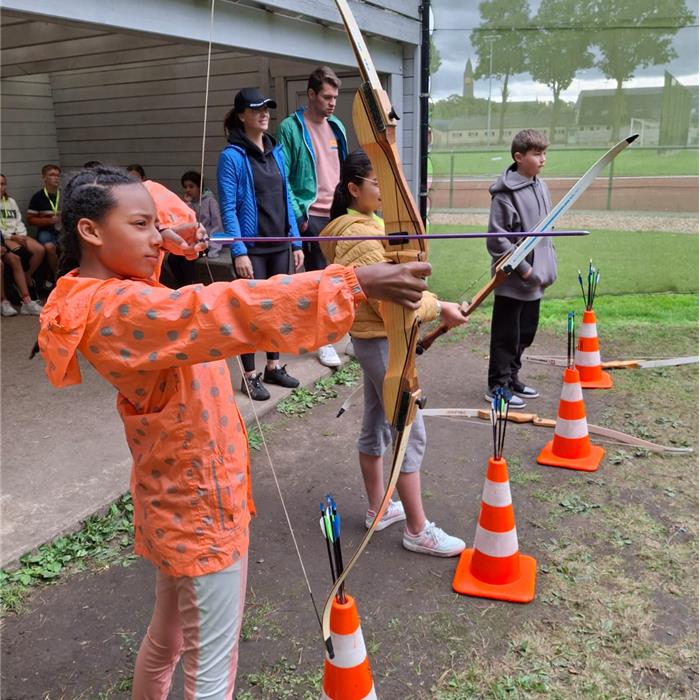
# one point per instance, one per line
(499, 42)
(633, 34)
(435, 60)
(557, 49)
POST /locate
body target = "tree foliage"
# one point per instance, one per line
(435, 60)
(633, 34)
(558, 48)
(500, 43)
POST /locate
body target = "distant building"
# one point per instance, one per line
(643, 112)
(468, 80)
(470, 130)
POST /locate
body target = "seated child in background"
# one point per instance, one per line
(15, 238)
(44, 212)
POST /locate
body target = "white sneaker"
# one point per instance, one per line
(6, 309)
(328, 356)
(350, 350)
(432, 540)
(393, 513)
(30, 308)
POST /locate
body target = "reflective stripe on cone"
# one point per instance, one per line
(571, 447)
(493, 567)
(347, 676)
(587, 356)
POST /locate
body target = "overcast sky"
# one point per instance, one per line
(453, 21)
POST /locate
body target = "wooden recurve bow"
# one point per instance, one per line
(375, 121)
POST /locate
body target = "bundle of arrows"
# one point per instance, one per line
(570, 339)
(330, 527)
(499, 420)
(592, 280)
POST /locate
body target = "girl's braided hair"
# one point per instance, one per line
(87, 195)
(355, 168)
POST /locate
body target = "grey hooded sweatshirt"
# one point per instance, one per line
(518, 203)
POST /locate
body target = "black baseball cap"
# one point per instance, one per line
(253, 98)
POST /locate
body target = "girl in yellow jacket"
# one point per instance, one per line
(164, 352)
(356, 200)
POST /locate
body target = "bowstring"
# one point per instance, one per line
(258, 425)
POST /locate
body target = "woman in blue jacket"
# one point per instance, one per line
(255, 202)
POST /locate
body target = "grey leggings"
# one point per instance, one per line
(376, 433)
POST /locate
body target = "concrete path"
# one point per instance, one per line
(64, 456)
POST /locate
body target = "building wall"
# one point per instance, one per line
(28, 134)
(151, 111)
(151, 114)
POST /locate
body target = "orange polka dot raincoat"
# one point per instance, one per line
(163, 350)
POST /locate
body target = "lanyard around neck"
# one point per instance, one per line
(53, 205)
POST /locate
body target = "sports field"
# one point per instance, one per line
(630, 262)
(567, 162)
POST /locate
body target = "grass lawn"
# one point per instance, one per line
(563, 162)
(629, 262)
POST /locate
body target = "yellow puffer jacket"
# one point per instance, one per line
(368, 320)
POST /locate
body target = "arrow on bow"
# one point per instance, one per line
(534, 419)
(510, 261)
(375, 120)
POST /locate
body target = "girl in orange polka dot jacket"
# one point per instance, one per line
(164, 352)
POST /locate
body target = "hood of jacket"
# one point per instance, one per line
(337, 228)
(238, 138)
(62, 325)
(510, 180)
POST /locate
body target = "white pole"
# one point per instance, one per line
(488, 117)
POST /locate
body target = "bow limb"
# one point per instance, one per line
(510, 261)
(399, 453)
(538, 422)
(642, 363)
(375, 125)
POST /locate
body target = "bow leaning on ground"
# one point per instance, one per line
(375, 120)
(534, 419)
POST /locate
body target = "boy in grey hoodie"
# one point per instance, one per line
(519, 199)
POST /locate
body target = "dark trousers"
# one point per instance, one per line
(264, 267)
(313, 257)
(184, 271)
(513, 328)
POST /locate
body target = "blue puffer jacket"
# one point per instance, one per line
(239, 209)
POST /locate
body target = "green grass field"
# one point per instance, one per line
(563, 162)
(629, 262)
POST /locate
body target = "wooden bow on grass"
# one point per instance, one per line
(375, 120)
(534, 419)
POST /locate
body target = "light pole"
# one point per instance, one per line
(490, 38)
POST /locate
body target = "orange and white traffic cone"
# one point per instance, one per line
(347, 676)
(587, 357)
(494, 568)
(571, 447)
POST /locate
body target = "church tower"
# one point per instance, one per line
(468, 83)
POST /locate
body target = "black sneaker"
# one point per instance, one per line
(280, 377)
(520, 389)
(253, 386)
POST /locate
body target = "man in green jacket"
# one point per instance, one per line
(314, 146)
